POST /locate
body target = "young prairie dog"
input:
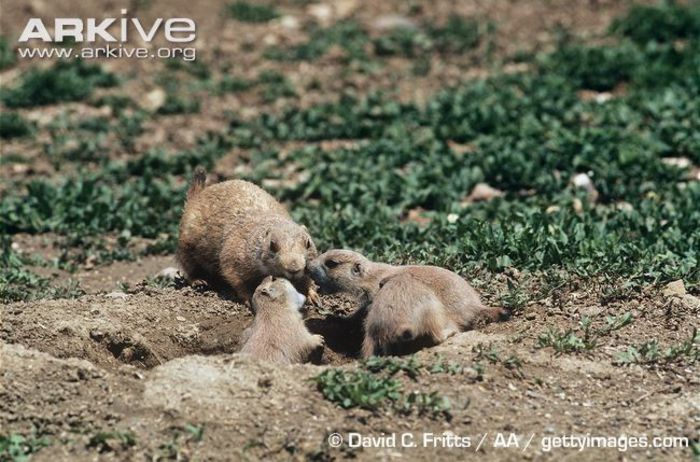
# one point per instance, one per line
(278, 333)
(234, 234)
(404, 303)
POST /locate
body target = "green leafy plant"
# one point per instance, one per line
(7, 54)
(362, 389)
(13, 125)
(650, 353)
(64, 81)
(18, 448)
(253, 13)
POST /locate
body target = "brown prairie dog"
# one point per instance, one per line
(405, 303)
(234, 234)
(278, 333)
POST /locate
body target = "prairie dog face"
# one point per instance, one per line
(286, 251)
(275, 292)
(342, 271)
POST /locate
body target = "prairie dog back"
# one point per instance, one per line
(233, 234)
(209, 213)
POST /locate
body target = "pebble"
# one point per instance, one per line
(170, 272)
(674, 288)
(483, 192)
(388, 22)
(154, 99)
(117, 295)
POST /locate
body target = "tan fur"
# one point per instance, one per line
(405, 303)
(278, 333)
(234, 234)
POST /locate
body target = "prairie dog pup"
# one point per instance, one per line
(278, 333)
(404, 303)
(234, 234)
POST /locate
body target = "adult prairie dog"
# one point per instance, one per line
(278, 333)
(234, 234)
(404, 303)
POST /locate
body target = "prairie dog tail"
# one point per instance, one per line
(199, 178)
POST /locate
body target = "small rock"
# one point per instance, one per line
(321, 12)
(592, 311)
(289, 22)
(674, 288)
(530, 315)
(154, 100)
(583, 181)
(170, 272)
(20, 169)
(691, 301)
(452, 218)
(483, 192)
(624, 206)
(345, 8)
(694, 174)
(416, 216)
(552, 209)
(461, 149)
(388, 22)
(603, 97)
(117, 295)
(271, 40)
(577, 206)
(680, 162)
(180, 318)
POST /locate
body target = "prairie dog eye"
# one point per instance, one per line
(274, 246)
(331, 263)
(356, 269)
(308, 243)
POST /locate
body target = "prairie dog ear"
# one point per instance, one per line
(357, 269)
(383, 282)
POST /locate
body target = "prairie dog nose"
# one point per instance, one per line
(295, 266)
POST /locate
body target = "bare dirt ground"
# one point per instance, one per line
(127, 374)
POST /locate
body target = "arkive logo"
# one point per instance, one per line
(175, 30)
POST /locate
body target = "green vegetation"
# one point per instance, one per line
(112, 440)
(664, 23)
(7, 54)
(248, 12)
(348, 35)
(17, 283)
(537, 125)
(175, 104)
(13, 125)
(377, 386)
(373, 391)
(458, 36)
(64, 81)
(644, 227)
(362, 389)
(180, 445)
(651, 353)
(588, 338)
(18, 448)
